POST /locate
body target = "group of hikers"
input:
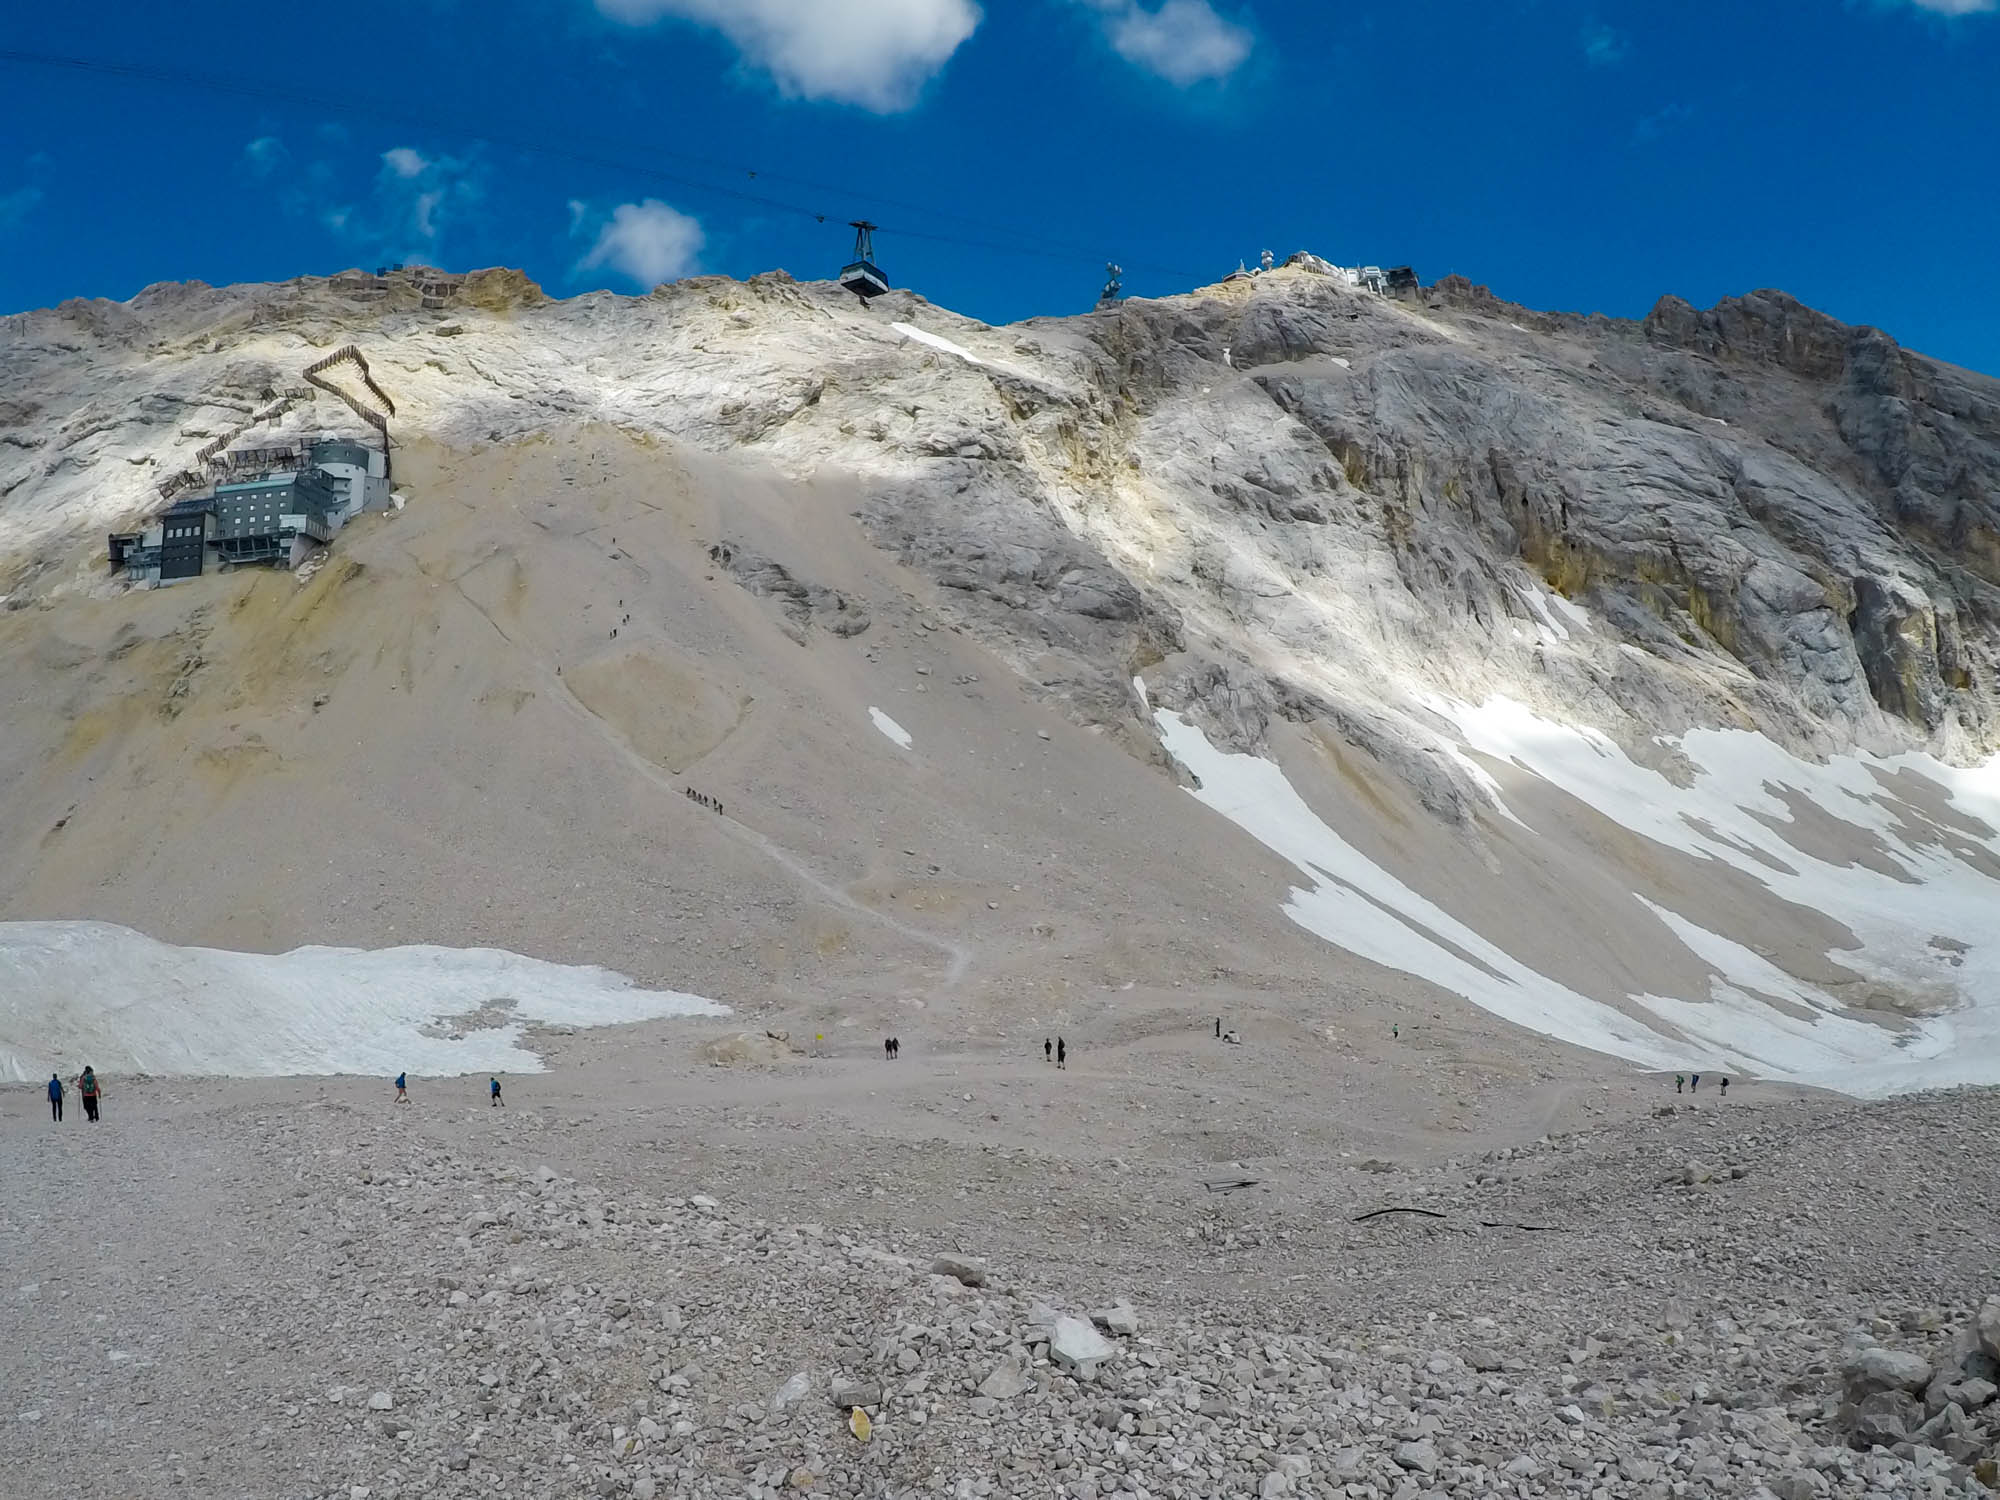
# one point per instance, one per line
(1694, 1083)
(492, 1090)
(87, 1088)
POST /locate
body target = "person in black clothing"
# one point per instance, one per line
(1048, 1050)
(1725, 1088)
(888, 1049)
(1062, 1053)
(86, 1086)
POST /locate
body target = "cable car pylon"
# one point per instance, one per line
(863, 277)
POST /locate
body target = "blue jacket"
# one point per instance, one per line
(55, 1088)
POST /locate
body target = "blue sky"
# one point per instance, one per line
(1574, 154)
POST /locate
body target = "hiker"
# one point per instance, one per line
(1680, 1082)
(402, 1088)
(888, 1049)
(1218, 1028)
(1725, 1086)
(1395, 1032)
(895, 1047)
(55, 1098)
(1062, 1053)
(493, 1084)
(86, 1085)
(1694, 1084)
(1048, 1050)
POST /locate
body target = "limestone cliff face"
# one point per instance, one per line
(1307, 500)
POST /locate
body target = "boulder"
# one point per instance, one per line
(1877, 1369)
(1987, 1325)
(847, 1392)
(1008, 1380)
(1966, 1394)
(960, 1268)
(1421, 1458)
(1119, 1318)
(1074, 1343)
(1884, 1419)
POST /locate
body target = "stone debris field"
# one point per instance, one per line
(327, 1301)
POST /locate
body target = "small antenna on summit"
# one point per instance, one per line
(1114, 288)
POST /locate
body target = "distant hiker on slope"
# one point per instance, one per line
(402, 1088)
(1680, 1082)
(493, 1087)
(1725, 1087)
(55, 1098)
(888, 1049)
(1062, 1053)
(1218, 1028)
(87, 1086)
(1048, 1050)
(1694, 1084)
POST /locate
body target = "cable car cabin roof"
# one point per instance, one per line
(864, 280)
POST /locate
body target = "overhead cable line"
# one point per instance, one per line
(1036, 247)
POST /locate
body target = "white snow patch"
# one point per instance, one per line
(1355, 904)
(890, 727)
(1570, 610)
(935, 341)
(73, 993)
(1545, 607)
(1757, 1018)
(1733, 811)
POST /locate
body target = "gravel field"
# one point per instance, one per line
(300, 1289)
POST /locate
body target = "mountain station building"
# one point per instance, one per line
(267, 518)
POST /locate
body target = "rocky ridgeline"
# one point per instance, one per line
(454, 1326)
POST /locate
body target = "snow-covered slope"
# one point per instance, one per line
(1636, 682)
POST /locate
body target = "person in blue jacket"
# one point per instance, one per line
(402, 1088)
(493, 1085)
(55, 1097)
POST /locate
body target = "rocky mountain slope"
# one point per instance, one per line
(1634, 682)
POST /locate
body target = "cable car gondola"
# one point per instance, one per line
(864, 278)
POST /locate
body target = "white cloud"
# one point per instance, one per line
(1604, 47)
(1958, 7)
(404, 162)
(418, 196)
(266, 155)
(649, 242)
(878, 54)
(1184, 41)
(17, 205)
